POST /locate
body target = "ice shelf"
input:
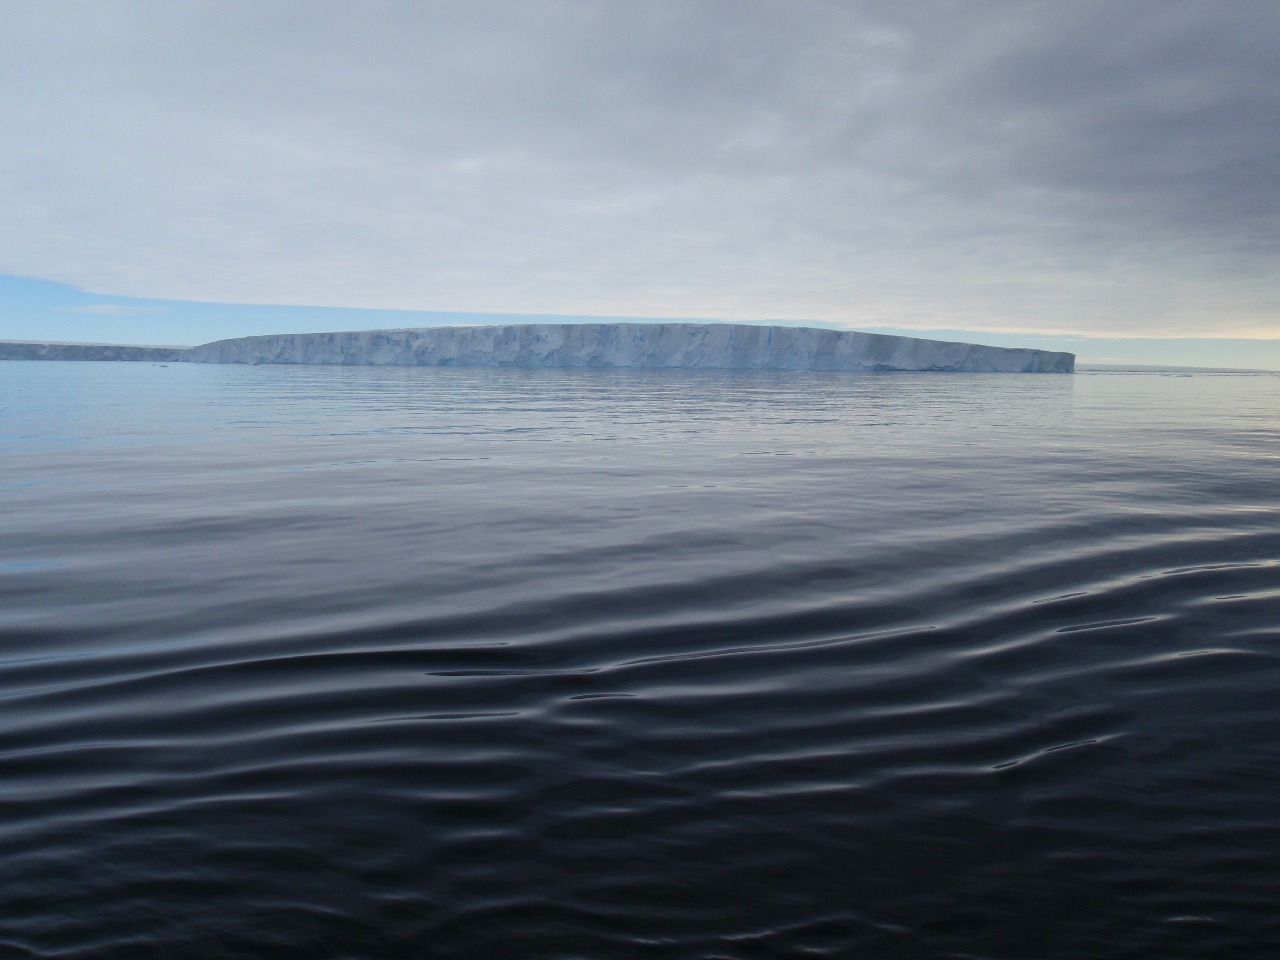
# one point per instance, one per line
(24, 350)
(644, 345)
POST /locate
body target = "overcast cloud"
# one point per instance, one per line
(1090, 167)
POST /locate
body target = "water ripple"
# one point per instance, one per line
(376, 663)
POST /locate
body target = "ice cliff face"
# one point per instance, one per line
(652, 345)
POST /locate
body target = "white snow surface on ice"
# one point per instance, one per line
(647, 345)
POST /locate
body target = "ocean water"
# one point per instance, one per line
(380, 662)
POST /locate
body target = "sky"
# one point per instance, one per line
(1099, 173)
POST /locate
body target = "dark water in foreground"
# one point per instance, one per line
(325, 662)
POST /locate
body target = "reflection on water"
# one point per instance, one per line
(381, 662)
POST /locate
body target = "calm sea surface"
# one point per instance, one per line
(380, 662)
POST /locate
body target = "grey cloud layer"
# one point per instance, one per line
(1098, 167)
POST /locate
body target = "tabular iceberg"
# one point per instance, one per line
(644, 345)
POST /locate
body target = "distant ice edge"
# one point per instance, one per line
(640, 345)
